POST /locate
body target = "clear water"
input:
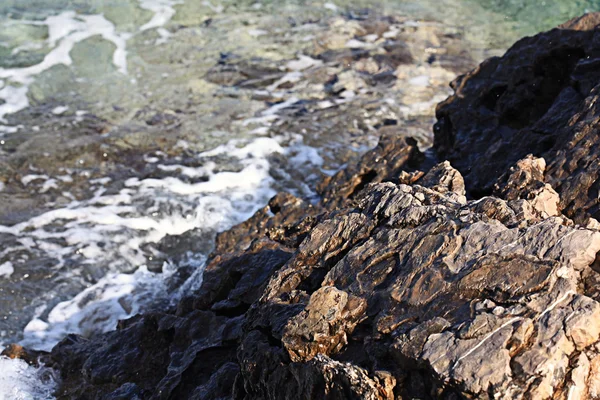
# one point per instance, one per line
(112, 141)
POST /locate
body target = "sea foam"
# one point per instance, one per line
(111, 231)
(19, 381)
(67, 29)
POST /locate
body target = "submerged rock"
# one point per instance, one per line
(396, 285)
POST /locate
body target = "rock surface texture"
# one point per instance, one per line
(539, 98)
(404, 282)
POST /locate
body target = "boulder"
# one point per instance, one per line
(540, 98)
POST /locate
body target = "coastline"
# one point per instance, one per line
(459, 267)
(402, 280)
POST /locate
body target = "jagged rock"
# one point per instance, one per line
(393, 155)
(525, 180)
(475, 306)
(280, 218)
(395, 286)
(521, 178)
(400, 291)
(323, 326)
(443, 178)
(540, 98)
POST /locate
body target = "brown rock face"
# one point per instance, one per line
(449, 301)
(323, 326)
(396, 286)
(540, 98)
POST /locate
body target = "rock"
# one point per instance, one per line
(443, 179)
(400, 291)
(525, 180)
(31, 357)
(521, 178)
(395, 285)
(392, 156)
(540, 98)
(243, 73)
(323, 326)
(422, 271)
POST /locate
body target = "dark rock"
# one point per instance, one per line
(540, 98)
(443, 178)
(323, 326)
(394, 285)
(393, 156)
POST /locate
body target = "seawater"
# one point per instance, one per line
(79, 263)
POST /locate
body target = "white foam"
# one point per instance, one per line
(257, 32)
(9, 129)
(6, 269)
(260, 131)
(15, 99)
(20, 381)
(49, 184)
(291, 77)
(60, 110)
(217, 9)
(325, 104)
(330, 6)
(27, 47)
(27, 179)
(187, 171)
(96, 309)
(110, 230)
(164, 37)
(301, 154)
(64, 31)
(303, 62)
(163, 12)
(271, 111)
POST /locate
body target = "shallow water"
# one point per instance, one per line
(127, 140)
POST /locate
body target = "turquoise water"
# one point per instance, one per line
(488, 24)
(532, 16)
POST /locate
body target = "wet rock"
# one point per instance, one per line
(147, 356)
(31, 357)
(247, 74)
(281, 219)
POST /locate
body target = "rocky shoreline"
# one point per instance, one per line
(469, 274)
(300, 97)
